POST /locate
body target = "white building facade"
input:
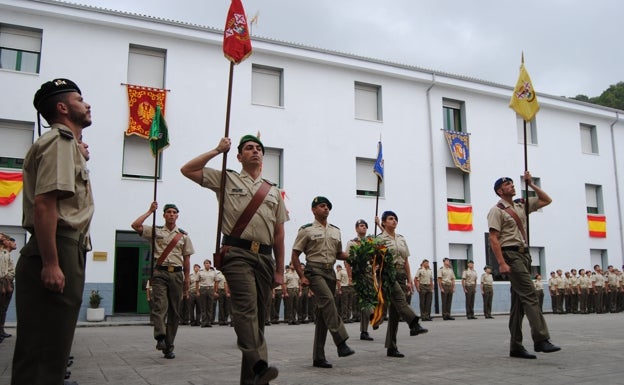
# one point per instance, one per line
(320, 115)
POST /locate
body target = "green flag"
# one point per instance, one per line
(159, 135)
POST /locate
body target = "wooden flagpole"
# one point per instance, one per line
(154, 215)
(217, 255)
(526, 185)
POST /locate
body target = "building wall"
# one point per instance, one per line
(319, 136)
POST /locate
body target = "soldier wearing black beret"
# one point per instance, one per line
(57, 211)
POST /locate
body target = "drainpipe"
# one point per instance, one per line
(617, 183)
(433, 198)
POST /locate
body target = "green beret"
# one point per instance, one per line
(53, 87)
(249, 138)
(319, 199)
(170, 206)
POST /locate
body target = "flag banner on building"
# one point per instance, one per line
(236, 39)
(524, 99)
(378, 169)
(10, 186)
(459, 145)
(597, 225)
(459, 217)
(159, 134)
(142, 102)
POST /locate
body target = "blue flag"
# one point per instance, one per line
(379, 163)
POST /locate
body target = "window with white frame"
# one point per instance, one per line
(366, 179)
(146, 67)
(598, 257)
(20, 48)
(267, 86)
(17, 137)
(531, 129)
(453, 115)
(457, 186)
(367, 101)
(272, 165)
(593, 196)
(459, 254)
(589, 140)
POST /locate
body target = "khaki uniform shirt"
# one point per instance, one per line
(598, 280)
(574, 283)
(470, 277)
(538, 285)
(207, 278)
(55, 163)
(424, 276)
(220, 278)
(501, 221)
(560, 283)
(446, 274)
(487, 279)
(342, 277)
(552, 283)
(320, 243)
(584, 282)
(194, 279)
(612, 279)
(291, 279)
(6, 265)
(398, 246)
(163, 237)
(240, 188)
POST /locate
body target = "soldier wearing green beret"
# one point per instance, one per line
(57, 211)
(171, 278)
(248, 263)
(321, 243)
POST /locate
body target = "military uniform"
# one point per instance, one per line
(598, 283)
(516, 254)
(539, 290)
(469, 282)
(167, 282)
(321, 244)
(249, 267)
(195, 304)
(561, 294)
(424, 280)
(614, 289)
(487, 291)
(584, 285)
(207, 284)
(293, 288)
(276, 304)
(573, 293)
(345, 297)
(7, 274)
(447, 278)
(47, 319)
(399, 308)
(222, 301)
(554, 294)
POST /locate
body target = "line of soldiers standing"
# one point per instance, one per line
(201, 306)
(595, 291)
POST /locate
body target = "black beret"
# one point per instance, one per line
(54, 87)
(249, 138)
(361, 221)
(319, 199)
(387, 214)
(500, 181)
(170, 206)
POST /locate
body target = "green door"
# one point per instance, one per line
(132, 270)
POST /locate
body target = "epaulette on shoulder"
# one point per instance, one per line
(334, 226)
(66, 134)
(159, 227)
(305, 226)
(269, 182)
(182, 231)
(519, 200)
(232, 171)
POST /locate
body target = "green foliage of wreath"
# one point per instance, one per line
(369, 252)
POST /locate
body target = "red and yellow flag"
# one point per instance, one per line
(459, 217)
(597, 225)
(236, 39)
(142, 102)
(524, 99)
(10, 186)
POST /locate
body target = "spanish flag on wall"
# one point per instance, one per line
(597, 225)
(10, 186)
(459, 217)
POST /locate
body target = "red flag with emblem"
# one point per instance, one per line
(236, 39)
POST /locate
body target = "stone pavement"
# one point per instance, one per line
(461, 351)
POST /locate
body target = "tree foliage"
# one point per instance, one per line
(612, 97)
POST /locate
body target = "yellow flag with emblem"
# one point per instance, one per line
(524, 99)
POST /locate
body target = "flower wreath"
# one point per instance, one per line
(373, 274)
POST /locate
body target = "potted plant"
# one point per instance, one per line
(95, 313)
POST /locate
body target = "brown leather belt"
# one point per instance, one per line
(519, 249)
(320, 265)
(169, 268)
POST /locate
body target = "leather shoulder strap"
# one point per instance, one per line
(516, 218)
(250, 210)
(169, 247)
